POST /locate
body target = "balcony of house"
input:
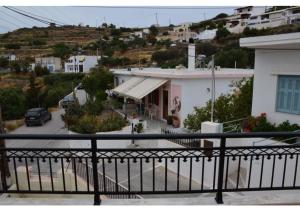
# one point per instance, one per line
(162, 174)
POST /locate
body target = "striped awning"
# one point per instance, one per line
(138, 87)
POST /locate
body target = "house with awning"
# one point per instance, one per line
(159, 93)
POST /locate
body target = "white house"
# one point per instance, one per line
(182, 33)
(275, 18)
(238, 22)
(51, 63)
(9, 57)
(207, 35)
(276, 88)
(161, 92)
(81, 63)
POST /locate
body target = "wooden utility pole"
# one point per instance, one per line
(3, 161)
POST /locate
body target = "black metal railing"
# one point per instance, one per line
(233, 126)
(142, 171)
(186, 142)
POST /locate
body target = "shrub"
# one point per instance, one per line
(222, 33)
(4, 62)
(262, 125)
(114, 122)
(12, 46)
(73, 113)
(40, 71)
(170, 58)
(226, 107)
(286, 126)
(230, 58)
(55, 94)
(85, 125)
(63, 78)
(61, 50)
(13, 103)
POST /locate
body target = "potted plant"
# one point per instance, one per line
(134, 115)
(176, 122)
(170, 120)
(139, 128)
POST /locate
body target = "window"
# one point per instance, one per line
(288, 94)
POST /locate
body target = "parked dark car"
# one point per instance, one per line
(68, 100)
(37, 116)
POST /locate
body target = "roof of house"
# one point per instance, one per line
(289, 41)
(185, 73)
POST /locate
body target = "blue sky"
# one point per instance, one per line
(129, 17)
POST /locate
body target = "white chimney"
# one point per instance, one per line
(191, 57)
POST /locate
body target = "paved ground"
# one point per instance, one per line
(54, 126)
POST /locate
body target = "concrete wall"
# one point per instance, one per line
(103, 143)
(268, 64)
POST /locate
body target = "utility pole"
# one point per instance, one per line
(156, 19)
(4, 170)
(213, 87)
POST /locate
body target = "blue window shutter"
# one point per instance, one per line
(296, 97)
(288, 94)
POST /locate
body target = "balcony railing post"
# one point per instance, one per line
(97, 199)
(219, 195)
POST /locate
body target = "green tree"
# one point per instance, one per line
(99, 79)
(4, 62)
(226, 107)
(230, 58)
(15, 66)
(33, 92)
(13, 103)
(12, 46)
(40, 71)
(242, 99)
(153, 30)
(115, 32)
(61, 50)
(221, 15)
(222, 33)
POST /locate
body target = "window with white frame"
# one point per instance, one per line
(288, 94)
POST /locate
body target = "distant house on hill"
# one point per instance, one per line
(53, 64)
(80, 64)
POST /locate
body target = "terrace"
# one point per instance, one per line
(193, 173)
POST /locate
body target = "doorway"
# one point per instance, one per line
(165, 103)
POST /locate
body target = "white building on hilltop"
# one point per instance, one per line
(276, 90)
(238, 22)
(80, 63)
(275, 18)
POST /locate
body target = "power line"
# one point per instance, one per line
(15, 18)
(162, 8)
(21, 12)
(18, 26)
(43, 17)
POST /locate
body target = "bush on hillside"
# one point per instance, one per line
(12, 46)
(40, 71)
(170, 58)
(235, 56)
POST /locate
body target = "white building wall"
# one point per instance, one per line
(88, 63)
(268, 64)
(196, 92)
